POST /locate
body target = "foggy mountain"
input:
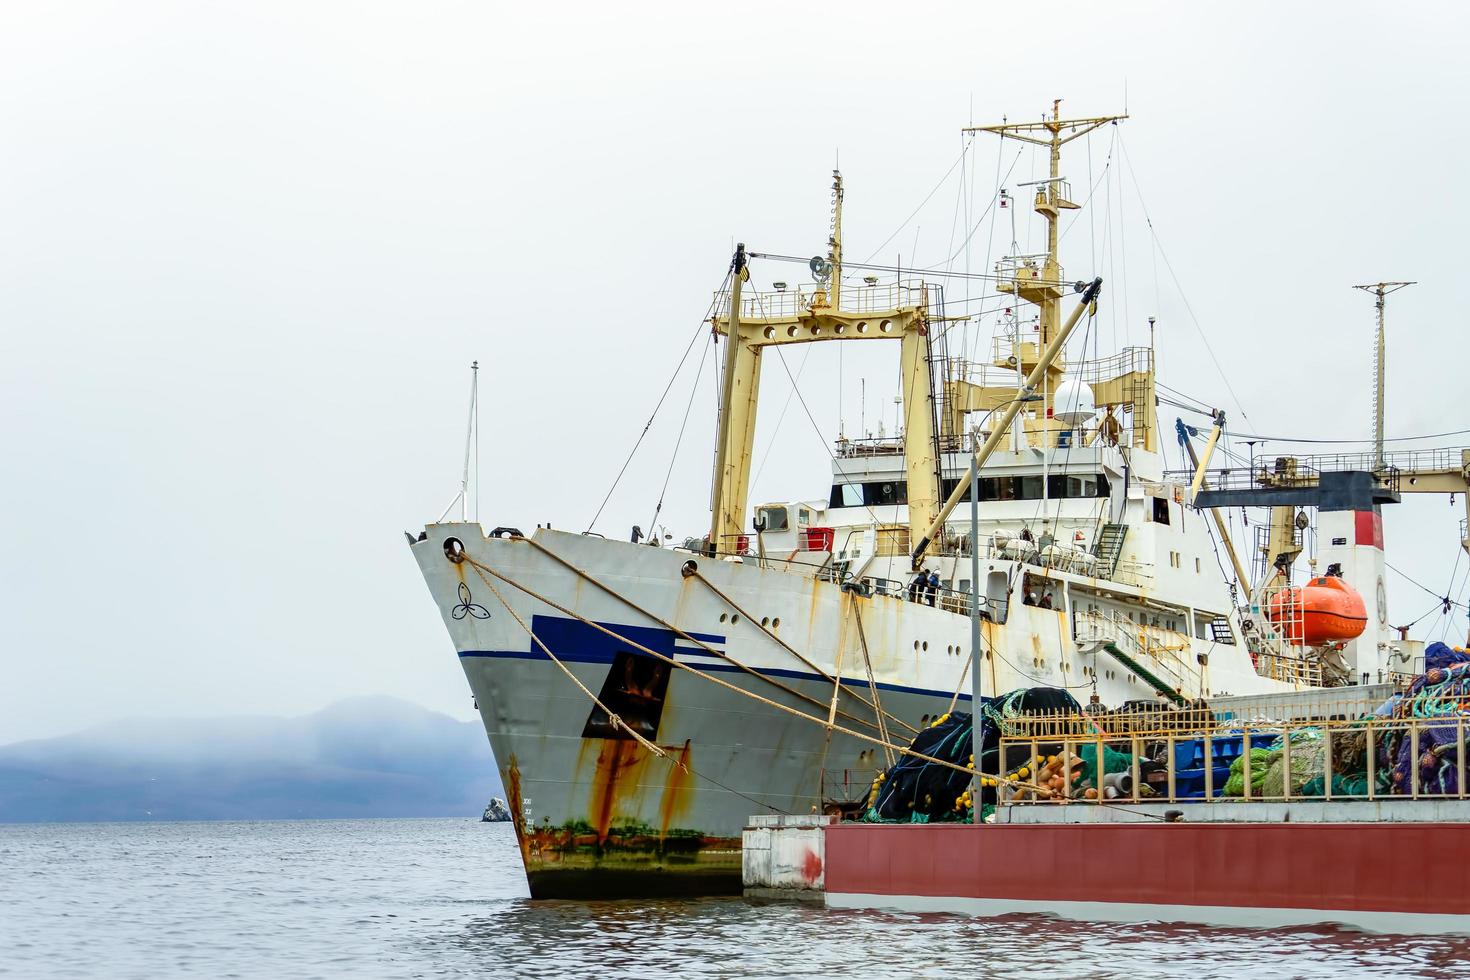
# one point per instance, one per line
(363, 757)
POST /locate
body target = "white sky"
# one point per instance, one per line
(247, 252)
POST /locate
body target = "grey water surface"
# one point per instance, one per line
(445, 898)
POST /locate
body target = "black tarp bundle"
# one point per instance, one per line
(918, 790)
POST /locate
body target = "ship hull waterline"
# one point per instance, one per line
(598, 815)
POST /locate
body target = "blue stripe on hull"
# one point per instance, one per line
(576, 642)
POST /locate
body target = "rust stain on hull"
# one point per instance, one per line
(517, 808)
(678, 789)
(620, 766)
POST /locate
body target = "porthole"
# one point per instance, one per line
(723, 617)
(886, 326)
(916, 645)
(734, 618)
(770, 333)
(862, 326)
(776, 623)
(791, 331)
(926, 646)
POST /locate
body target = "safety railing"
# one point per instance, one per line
(1022, 267)
(1193, 756)
(1288, 669)
(1155, 648)
(802, 298)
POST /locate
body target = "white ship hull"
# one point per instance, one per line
(598, 814)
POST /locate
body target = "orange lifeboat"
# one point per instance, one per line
(1325, 610)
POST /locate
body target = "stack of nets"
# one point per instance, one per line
(918, 791)
(1441, 692)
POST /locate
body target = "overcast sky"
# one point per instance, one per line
(248, 251)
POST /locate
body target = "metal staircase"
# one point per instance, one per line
(1108, 547)
(1159, 667)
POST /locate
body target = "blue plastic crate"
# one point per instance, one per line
(1190, 753)
(1191, 782)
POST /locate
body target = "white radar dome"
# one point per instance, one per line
(1073, 402)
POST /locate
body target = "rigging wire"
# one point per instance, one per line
(781, 356)
(960, 160)
(785, 406)
(1154, 234)
(1199, 408)
(674, 456)
(963, 245)
(934, 271)
(1444, 600)
(1342, 442)
(667, 388)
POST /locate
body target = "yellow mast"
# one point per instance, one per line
(805, 316)
(1045, 287)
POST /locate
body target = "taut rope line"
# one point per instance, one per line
(670, 626)
(696, 574)
(861, 736)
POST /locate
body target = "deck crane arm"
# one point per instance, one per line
(1200, 464)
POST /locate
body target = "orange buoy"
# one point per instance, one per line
(1325, 610)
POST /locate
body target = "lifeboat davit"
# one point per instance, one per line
(1325, 610)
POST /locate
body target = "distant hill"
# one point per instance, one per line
(366, 757)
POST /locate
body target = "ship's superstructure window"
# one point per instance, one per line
(1161, 510)
(775, 518)
(889, 492)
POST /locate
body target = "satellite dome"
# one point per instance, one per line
(1073, 402)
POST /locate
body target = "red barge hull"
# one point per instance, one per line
(1383, 877)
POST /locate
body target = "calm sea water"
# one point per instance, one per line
(445, 898)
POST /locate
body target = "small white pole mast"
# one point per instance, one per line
(470, 441)
(1380, 351)
(475, 403)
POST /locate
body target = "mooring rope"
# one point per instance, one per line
(585, 576)
(613, 718)
(873, 705)
(664, 658)
(872, 682)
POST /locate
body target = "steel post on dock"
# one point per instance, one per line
(977, 659)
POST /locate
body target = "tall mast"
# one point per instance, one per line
(1046, 289)
(1380, 349)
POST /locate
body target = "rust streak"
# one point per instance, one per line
(619, 765)
(517, 809)
(678, 787)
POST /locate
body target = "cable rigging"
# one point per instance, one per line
(654, 414)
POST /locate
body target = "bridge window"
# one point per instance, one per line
(1060, 487)
(775, 518)
(887, 493)
(878, 493)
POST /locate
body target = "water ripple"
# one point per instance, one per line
(445, 898)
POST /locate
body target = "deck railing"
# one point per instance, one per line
(1186, 756)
